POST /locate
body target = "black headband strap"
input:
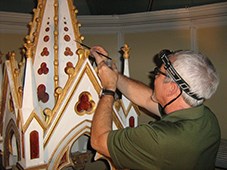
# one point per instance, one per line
(176, 77)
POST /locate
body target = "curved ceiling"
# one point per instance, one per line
(108, 7)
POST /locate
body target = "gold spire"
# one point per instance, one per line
(125, 49)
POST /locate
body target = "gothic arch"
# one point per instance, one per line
(11, 133)
(64, 148)
(61, 156)
(34, 144)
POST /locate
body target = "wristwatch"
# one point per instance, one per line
(108, 92)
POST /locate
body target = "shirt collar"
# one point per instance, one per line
(190, 113)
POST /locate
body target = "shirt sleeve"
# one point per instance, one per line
(133, 147)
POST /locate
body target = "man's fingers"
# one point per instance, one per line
(94, 52)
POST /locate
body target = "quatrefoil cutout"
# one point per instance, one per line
(85, 104)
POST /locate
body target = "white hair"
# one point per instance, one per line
(200, 74)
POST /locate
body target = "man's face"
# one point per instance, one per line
(160, 86)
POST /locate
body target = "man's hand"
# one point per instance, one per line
(98, 57)
(108, 74)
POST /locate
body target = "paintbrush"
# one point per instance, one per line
(84, 45)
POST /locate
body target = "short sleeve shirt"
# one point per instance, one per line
(185, 139)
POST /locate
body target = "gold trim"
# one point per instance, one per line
(90, 101)
(10, 104)
(116, 120)
(11, 129)
(30, 118)
(73, 14)
(16, 79)
(72, 73)
(29, 48)
(71, 140)
(5, 88)
(13, 72)
(56, 32)
(47, 114)
(95, 83)
(67, 163)
(41, 6)
(120, 104)
(19, 118)
(69, 144)
(69, 83)
(35, 26)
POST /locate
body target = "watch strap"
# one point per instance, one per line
(108, 92)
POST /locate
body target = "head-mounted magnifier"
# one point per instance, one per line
(175, 76)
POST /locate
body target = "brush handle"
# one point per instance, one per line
(96, 51)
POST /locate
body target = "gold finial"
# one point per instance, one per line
(58, 92)
(125, 49)
(28, 46)
(47, 113)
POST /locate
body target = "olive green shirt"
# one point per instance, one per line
(183, 140)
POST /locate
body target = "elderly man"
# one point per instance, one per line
(187, 136)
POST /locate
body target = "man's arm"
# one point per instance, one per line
(135, 91)
(102, 119)
(102, 125)
(138, 93)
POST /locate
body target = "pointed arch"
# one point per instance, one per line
(79, 130)
(34, 144)
(12, 137)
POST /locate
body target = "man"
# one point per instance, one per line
(186, 137)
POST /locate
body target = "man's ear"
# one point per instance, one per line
(172, 89)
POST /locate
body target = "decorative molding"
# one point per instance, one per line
(14, 22)
(200, 16)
